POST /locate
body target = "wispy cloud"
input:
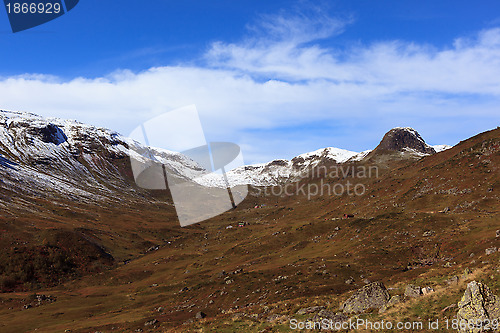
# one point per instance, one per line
(468, 65)
(281, 45)
(272, 90)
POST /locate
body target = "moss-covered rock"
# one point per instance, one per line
(479, 309)
(371, 296)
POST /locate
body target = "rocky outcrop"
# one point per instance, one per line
(392, 301)
(337, 317)
(412, 291)
(310, 309)
(372, 296)
(399, 138)
(427, 290)
(400, 143)
(478, 309)
(453, 281)
(490, 250)
(200, 315)
(48, 133)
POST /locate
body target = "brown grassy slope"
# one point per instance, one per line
(291, 254)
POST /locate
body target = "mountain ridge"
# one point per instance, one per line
(26, 138)
(277, 171)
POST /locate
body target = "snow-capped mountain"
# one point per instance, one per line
(406, 141)
(278, 171)
(55, 156)
(402, 143)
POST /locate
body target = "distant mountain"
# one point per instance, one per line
(278, 171)
(400, 143)
(405, 139)
(59, 157)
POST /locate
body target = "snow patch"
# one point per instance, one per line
(440, 148)
(360, 156)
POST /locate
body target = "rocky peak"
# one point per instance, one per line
(405, 138)
(49, 133)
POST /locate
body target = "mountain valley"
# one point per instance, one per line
(84, 249)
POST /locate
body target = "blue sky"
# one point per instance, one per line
(278, 77)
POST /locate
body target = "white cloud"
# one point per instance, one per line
(281, 46)
(271, 91)
(469, 66)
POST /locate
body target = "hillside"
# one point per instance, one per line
(107, 256)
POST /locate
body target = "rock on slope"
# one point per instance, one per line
(479, 309)
(371, 296)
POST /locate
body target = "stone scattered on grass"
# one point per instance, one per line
(392, 301)
(238, 316)
(188, 322)
(427, 290)
(277, 318)
(449, 307)
(200, 315)
(412, 291)
(310, 309)
(151, 322)
(371, 296)
(491, 250)
(334, 317)
(453, 281)
(349, 281)
(466, 274)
